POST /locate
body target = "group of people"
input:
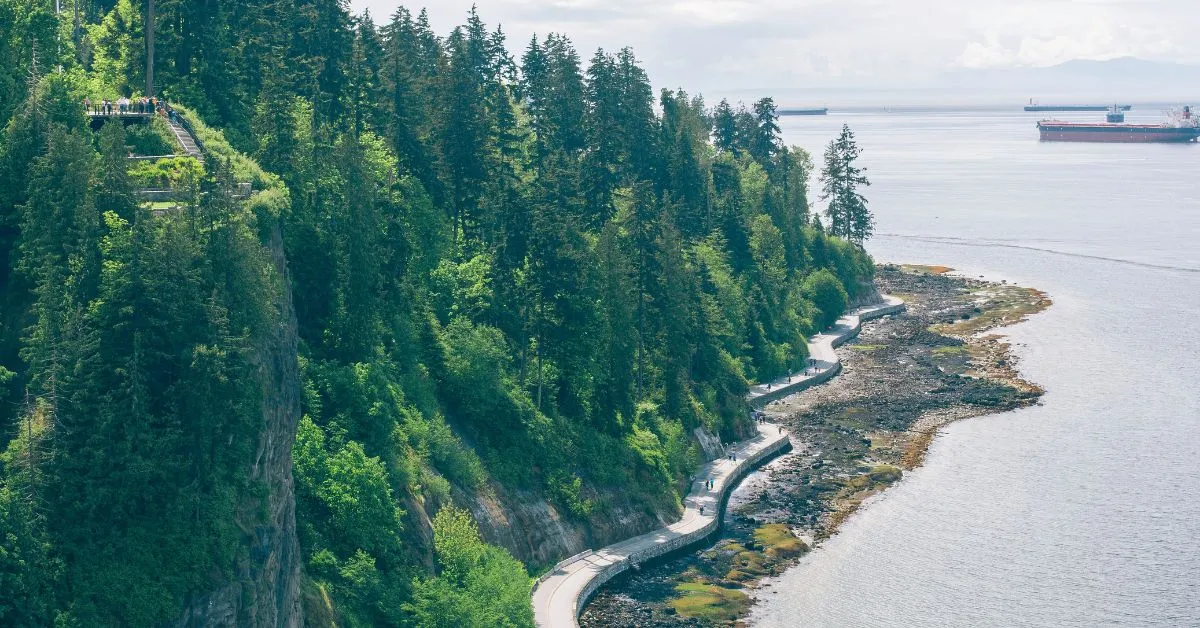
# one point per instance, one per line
(760, 417)
(811, 369)
(123, 106)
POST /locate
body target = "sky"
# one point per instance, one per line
(729, 45)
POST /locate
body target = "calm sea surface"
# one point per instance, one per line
(1085, 510)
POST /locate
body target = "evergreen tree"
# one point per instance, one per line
(841, 178)
(599, 170)
(724, 127)
(764, 142)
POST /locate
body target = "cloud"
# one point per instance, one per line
(740, 44)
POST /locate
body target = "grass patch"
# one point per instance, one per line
(779, 542)
(879, 474)
(709, 602)
(958, 350)
(869, 347)
(747, 565)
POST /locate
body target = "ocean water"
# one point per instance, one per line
(1084, 510)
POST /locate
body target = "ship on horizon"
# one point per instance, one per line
(1182, 127)
(1032, 106)
(816, 111)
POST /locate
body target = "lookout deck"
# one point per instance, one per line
(186, 140)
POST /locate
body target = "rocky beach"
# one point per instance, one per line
(904, 378)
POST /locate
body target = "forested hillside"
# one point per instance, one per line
(462, 278)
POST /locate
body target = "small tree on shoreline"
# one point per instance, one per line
(841, 179)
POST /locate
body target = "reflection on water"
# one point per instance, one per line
(1084, 511)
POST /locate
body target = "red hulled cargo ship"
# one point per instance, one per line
(1183, 127)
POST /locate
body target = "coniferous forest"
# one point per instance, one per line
(466, 271)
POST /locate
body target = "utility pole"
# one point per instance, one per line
(150, 50)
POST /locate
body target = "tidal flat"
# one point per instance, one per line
(903, 378)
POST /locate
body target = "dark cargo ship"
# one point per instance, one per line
(820, 111)
(1183, 127)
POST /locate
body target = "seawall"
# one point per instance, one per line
(560, 594)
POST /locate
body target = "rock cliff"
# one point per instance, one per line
(265, 591)
(539, 534)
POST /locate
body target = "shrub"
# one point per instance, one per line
(828, 294)
(155, 138)
(166, 173)
(564, 489)
(479, 585)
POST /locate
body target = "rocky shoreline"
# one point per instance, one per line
(904, 378)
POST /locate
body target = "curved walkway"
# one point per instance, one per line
(823, 360)
(560, 594)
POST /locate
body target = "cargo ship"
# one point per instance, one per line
(820, 111)
(1182, 127)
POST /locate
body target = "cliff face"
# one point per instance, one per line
(538, 534)
(265, 591)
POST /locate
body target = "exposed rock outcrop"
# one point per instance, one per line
(265, 591)
(538, 534)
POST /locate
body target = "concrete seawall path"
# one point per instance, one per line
(560, 594)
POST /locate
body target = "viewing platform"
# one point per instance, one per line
(121, 115)
(136, 114)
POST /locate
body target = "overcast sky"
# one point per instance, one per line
(724, 45)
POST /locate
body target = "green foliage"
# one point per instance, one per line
(27, 571)
(537, 277)
(478, 379)
(142, 352)
(348, 489)
(119, 56)
(841, 178)
(826, 292)
(564, 489)
(166, 173)
(479, 585)
(27, 30)
(153, 139)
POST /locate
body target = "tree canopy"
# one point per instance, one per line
(509, 275)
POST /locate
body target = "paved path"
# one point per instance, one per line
(559, 595)
(823, 360)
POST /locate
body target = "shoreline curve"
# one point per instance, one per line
(559, 595)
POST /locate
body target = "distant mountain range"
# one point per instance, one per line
(1126, 79)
